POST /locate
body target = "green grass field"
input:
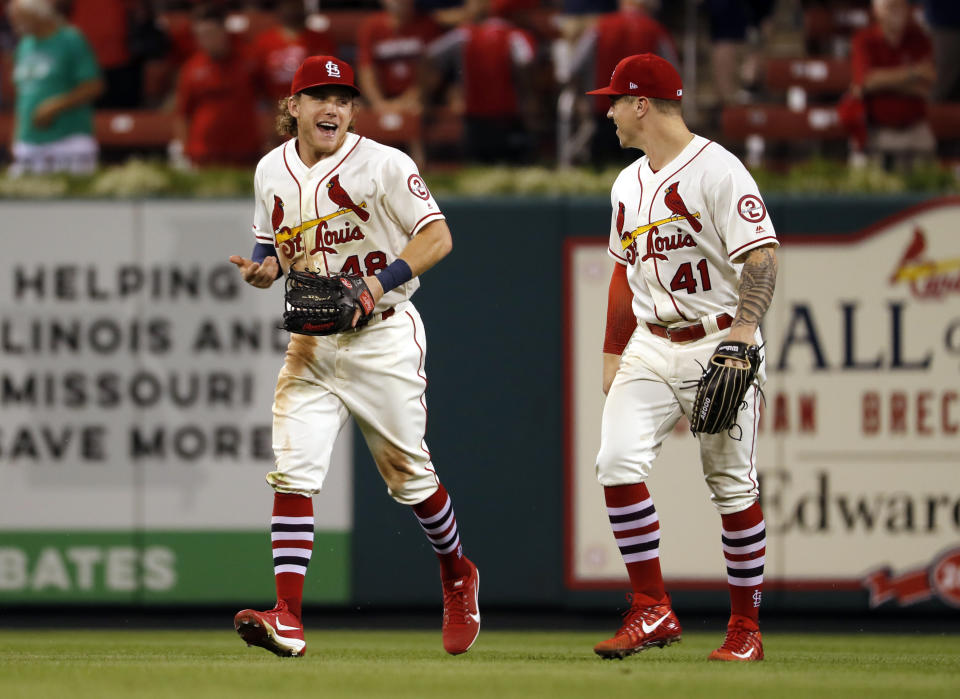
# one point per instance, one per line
(557, 665)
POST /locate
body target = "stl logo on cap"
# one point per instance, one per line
(333, 70)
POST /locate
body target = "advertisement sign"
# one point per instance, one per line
(858, 457)
(137, 372)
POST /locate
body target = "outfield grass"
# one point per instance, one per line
(400, 664)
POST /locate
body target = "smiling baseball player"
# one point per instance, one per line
(694, 274)
(333, 202)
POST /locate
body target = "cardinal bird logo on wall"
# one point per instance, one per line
(276, 218)
(338, 195)
(671, 197)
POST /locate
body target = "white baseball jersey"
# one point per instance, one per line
(678, 231)
(353, 211)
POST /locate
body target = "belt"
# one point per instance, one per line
(688, 333)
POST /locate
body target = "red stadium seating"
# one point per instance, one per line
(817, 76)
(776, 123)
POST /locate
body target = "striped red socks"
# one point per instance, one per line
(291, 533)
(744, 550)
(636, 528)
(436, 517)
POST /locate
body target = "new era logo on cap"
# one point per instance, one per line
(644, 75)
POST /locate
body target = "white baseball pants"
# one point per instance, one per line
(653, 388)
(376, 374)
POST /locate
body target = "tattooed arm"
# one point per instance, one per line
(757, 280)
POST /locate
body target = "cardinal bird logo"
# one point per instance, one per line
(338, 195)
(620, 213)
(671, 197)
(913, 255)
(276, 218)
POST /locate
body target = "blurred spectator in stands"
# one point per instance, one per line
(943, 17)
(737, 31)
(124, 34)
(56, 78)
(216, 119)
(494, 59)
(390, 46)
(279, 50)
(892, 72)
(628, 31)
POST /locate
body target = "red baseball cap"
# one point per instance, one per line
(322, 70)
(644, 75)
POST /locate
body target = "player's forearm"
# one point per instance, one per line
(757, 281)
(428, 247)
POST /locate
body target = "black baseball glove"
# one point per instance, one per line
(721, 388)
(319, 305)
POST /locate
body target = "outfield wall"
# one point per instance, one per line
(136, 375)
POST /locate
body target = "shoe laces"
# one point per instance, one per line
(737, 637)
(455, 603)
(636, 614)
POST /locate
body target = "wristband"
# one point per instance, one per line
(393, 275)
(262, 251)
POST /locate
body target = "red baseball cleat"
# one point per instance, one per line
(643, 627)
(277, 630)
(743, 642)
(461, 612)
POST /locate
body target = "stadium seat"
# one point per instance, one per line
(394, 129)
(778, 123)
(816, 76)
(133, 129)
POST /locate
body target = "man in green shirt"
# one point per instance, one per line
(57, 79)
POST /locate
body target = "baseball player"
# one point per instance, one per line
(331, 200)
(695, 265)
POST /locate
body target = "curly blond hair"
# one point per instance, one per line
(285, 122)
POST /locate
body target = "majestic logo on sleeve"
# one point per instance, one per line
(338, 195)
(674, 202)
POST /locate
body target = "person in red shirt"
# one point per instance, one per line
(216, 101)
(893, 73)
(495, 60)
(279, 50)
(390, 46)
(627, 32)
